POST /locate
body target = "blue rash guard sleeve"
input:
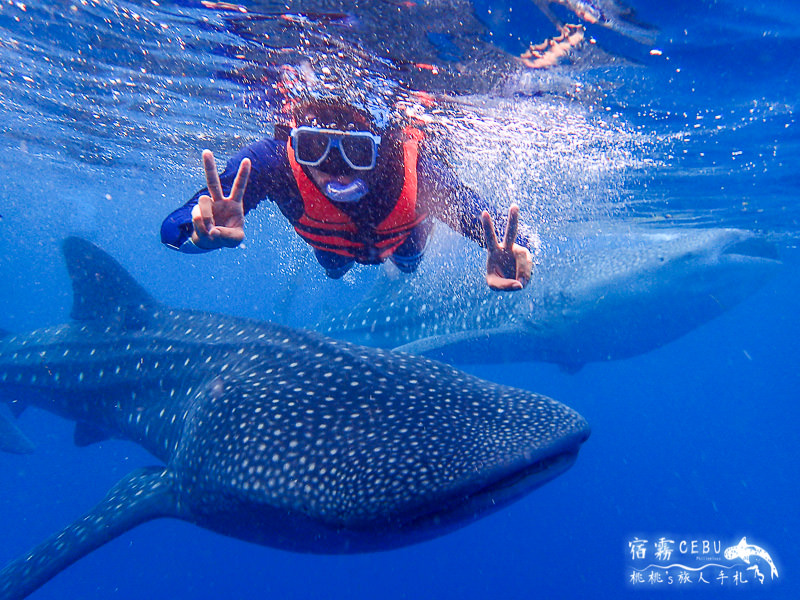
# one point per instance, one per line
(459, 206)
(270, 177)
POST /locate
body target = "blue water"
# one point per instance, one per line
(105, 109)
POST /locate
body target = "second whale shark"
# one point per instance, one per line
(268, 434)
(598, 292)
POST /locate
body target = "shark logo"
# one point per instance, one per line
(745, 551)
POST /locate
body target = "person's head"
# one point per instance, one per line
(339, 146)
(334, 138)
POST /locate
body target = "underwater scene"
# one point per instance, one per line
(399, 299)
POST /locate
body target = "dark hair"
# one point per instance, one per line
(332, 114)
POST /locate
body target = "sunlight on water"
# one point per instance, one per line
(559, 160)
(110, 84)
(116, 90)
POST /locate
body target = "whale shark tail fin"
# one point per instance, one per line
(102, 289)
(142, 495)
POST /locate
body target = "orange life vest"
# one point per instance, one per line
(327, 228)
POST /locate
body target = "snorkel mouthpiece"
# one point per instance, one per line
(350, 192)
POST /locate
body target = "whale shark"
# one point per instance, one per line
(268, 434)
(598, 292)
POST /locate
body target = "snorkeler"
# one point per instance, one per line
(354, 192)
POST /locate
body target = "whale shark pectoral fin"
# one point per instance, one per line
(87, 434)
(570, 368)
(11, 437)
(142, 495)
(17, 407)
(427, 345)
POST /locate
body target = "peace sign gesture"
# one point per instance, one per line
(508, 267)
(218, 220)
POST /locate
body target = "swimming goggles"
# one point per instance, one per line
(311, 146)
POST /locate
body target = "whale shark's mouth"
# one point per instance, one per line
(467, 505)
(523, 481)
(753, 247)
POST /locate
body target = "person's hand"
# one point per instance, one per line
(219, 220)
(508, 267)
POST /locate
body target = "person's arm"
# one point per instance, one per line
(508, 265)
(265, 157)
(458, 206)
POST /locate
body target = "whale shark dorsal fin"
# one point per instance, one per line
(743, 541)
(102, 289)
(142, 495)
